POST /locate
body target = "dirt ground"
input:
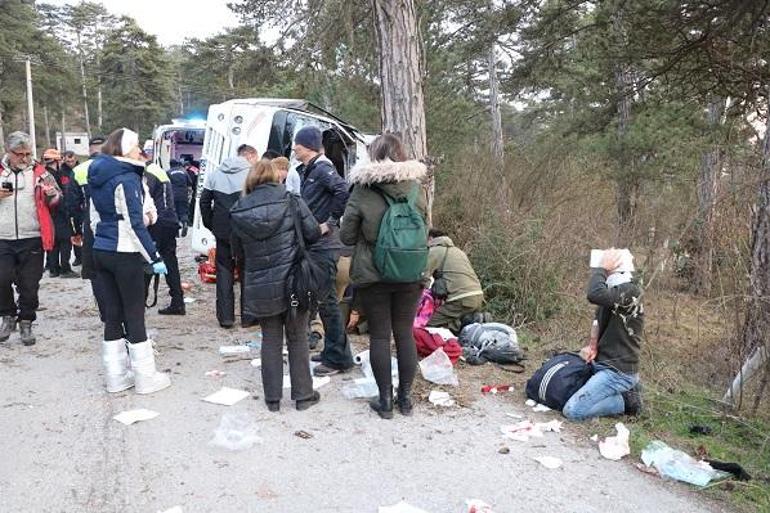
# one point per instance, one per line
(62, 451)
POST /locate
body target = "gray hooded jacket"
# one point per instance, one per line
(221, 189)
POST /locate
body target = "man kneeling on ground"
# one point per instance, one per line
(465, 294)
(615, 342)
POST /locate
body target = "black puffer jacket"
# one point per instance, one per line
(263, 232)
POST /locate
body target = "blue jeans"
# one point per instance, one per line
(602, 395)
(336, 353)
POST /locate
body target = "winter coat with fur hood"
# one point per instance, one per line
(265, 238)
(367, 205)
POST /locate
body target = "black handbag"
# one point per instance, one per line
(440, 287)
(311, 274)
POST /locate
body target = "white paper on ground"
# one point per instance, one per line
(233, 350)
(514, 416)
(226, 396)
(190, 300)
(615, 447)
(540, 408)
(530, 402)
(215, 374)
(317, 382)
(522, 431)
(594, 438)
(440, 398)
(401, 507)
(256, 363)
(550, 462)
(552, 426)
(130, 416)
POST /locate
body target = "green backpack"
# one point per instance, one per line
(401, 250)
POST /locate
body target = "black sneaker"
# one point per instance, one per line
(304, 404)
(25, 330)
(316, 358)
(633, 401)
(77, 263)
(69, 274)
(226, 324)
(173, 309)
(274, 405)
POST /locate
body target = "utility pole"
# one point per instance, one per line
(31, 108)
(63, 132)
(47, 126)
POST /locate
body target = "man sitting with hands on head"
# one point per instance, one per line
(615, 342)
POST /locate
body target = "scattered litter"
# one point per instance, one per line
(540, 408)
(700, 430)
(254, 344)
(226, 396)
(186, 285)
(530, 402)
(236, 432)
(478, 506)
(674, 464)
(733, 468)
(130, 416)
(360, 388)
(553, 426)
(189, 300)
(550, 462)
(522, 431)
(401, 507)
(256, 363)
(504, 450)
(514, 416)
(215, 374)
(233, 350)
(440, 398)
(615, 447)
(437, 368)
(175, 509)
(317, 382)
(595, 438)
(303, 435)
(496, 389)
(647, 470)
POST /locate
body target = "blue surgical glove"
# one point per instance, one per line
(159, 268)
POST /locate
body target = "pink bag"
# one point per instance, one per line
(425, 309)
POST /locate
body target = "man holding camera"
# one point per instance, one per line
(27, 194)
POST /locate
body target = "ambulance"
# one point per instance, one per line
(264, 124)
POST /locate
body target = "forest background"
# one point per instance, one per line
(553, 127)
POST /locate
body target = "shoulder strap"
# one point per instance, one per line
(443, 262)
(295, 213)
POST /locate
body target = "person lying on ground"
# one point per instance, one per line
(615, 342)
(464, 288)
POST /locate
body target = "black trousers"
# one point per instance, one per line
(21, 262)
(225, 295)
(165, 240)
(121, 280)
(390, 308)
(60, 255)
(272, 356)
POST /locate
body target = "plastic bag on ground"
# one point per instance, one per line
(360, 388)
(236, 432)
(401, 507)
(615, 447)
(680, 466)
(437, 368)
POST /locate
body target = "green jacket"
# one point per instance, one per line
(366, 206)
(458, 271)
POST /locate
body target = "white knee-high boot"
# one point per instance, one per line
(117, 375)
(147, 379)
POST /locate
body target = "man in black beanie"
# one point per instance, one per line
(326, 194)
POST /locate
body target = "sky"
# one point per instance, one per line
(172, 21)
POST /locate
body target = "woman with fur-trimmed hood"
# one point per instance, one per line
(389, 307)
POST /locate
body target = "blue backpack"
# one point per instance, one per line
(558, 380)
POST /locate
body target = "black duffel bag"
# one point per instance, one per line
(558, 380)
(311, 274)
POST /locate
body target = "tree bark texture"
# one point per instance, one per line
(627, 186)
(401, 79)
(85, 93)
(2, 133)
(498, 150)
(757, 323)
(701, 247)
(47, 126)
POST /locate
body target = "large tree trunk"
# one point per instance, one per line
(47, 126)
(757, 322)
(700, 248)
(498, 151)
(401, 79)
(627, 184)
(85, 89)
